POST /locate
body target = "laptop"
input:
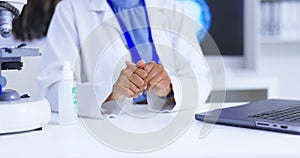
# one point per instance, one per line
(273, 115)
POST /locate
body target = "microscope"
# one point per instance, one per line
(17, 113)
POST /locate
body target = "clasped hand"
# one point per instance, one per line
(136, 78)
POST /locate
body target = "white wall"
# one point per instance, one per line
(273, 57)
(283, 61)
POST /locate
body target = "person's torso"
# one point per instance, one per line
(100, 35)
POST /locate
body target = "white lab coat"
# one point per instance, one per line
(79, 29)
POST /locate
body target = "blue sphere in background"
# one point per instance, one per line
(199, 11)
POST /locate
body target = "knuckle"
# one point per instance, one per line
(160, 66)
(133, 77)
(138, 72)
(152, 82)
(168, 80)
(123, 72)
(141, 84)
(118, 85)
(152, 62)
(131, 94)
(128, 93)
(136, 91)
(126, 84)
(147, 69)
(131, 86)
(143, 74)
(138, 84)
(130, 77)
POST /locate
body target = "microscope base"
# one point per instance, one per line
(24, 115)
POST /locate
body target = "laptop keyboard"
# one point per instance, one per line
(290, 114)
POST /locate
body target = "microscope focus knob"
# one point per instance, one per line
(10, 7)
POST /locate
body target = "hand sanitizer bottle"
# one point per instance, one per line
(67, 110)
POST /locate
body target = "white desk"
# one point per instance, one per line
(223, 141)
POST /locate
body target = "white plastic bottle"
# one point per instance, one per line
(67, 110)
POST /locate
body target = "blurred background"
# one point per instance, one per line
(259, 41)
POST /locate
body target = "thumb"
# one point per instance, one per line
(129, 63)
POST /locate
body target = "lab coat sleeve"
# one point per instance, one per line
(159, 104)
(112, 109)
(62, 44)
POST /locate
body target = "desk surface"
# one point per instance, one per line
(222, 141)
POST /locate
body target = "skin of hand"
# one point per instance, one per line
(136, 77)
(158, 80)
(130, 83)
